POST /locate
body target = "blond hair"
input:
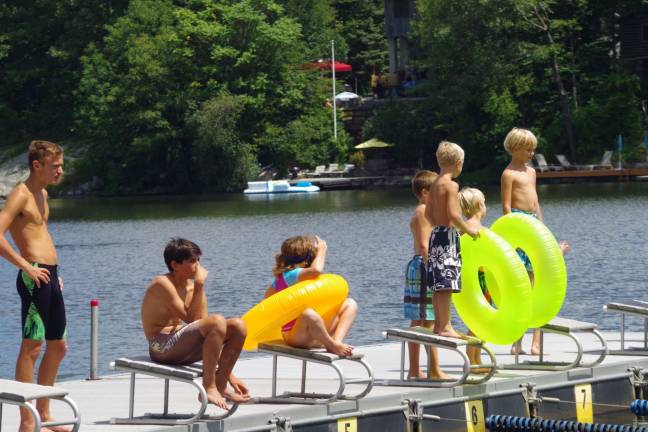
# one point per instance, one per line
(471, 201)
(448, 153)
(518, 139)
(39, 150)
(423, 180)
(298, 251)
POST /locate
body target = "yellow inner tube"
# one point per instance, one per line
(506, 280)
(324, 294)
(550, 274)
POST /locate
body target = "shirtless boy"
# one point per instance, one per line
(417, 298)
(25, 215)
(444, 254)
(180, 331)
(518, 188)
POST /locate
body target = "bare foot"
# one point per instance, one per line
(450, 333)
(340, 349)
(481, 370)
(439, 375)
(63, 428)
(535, 351)
(419, 375)
(214, 397)
(232, 396)
(517, 350)
(30, 428)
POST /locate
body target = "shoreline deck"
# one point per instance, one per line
(385, 408)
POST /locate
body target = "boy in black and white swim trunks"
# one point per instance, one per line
(444, 254)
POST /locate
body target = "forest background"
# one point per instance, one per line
(186, 96)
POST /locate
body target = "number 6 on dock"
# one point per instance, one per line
(475, 416)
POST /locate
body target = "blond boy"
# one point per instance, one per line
(518, 188)
(418, 297)
(444, 255)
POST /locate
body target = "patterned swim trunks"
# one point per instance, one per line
(417, 297)
(444, 261)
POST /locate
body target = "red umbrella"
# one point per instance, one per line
(326, 65)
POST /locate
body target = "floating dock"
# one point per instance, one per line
(601, 394)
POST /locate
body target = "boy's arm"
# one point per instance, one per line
(198, 306)
(532, 173)
(429, 205)
(420, 233)
(171, 298)
(454, 211)
(506, 191)
(13, 207)
(317, 266)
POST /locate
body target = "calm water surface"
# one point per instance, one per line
(109, 249)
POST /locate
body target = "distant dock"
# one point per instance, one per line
(340, 183)
(600, 394)
(570, 176)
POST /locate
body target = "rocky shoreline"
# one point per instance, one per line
(12, 172)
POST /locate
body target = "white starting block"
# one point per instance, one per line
(185, 374)
(568, 328)
(636, 308)
(426, 337)
(20, 393)
(317, 356)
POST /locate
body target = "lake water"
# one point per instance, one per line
(109, 249)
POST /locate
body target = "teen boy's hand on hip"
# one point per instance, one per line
(38, 275)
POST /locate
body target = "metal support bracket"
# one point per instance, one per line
(531, 397)
(280, 424)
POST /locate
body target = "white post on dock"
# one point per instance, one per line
(334, 104)
(94, 339)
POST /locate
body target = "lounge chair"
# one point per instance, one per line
(317, 356)
(543, 166)
(333, 170)
(606, 161)
(564, 162)
(636, 308)
(427, 338)
(568, 328)
(186, 374)
(21, 394)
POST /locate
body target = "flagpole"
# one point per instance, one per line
(334, 104)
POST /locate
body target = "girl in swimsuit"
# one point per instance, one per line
(303, 258)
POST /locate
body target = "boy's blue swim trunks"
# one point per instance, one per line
(417, 297)
(525, 259)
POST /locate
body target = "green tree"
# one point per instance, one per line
(41, 42)
(362, 25)
(161, 61)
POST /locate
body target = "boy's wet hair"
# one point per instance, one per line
(518, 139)
(422, 180)
(448, 153)
(179, 250)
(471, 201)
(295, 251)
(39, 150)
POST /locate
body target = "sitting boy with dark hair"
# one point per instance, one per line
(180, 331)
